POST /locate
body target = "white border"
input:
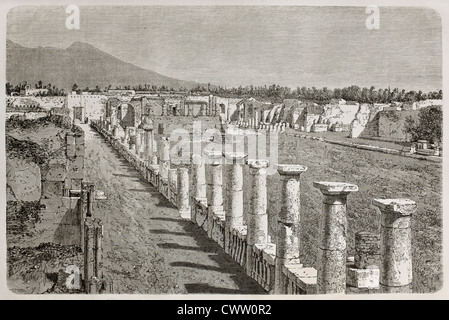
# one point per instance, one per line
(441, 6)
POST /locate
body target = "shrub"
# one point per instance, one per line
(429, 125)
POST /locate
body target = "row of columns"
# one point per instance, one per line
(395, 266)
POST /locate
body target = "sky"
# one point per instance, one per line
(259, 45)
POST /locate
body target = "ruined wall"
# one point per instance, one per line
(339, 113)
(46, 103)
(365, 123)
(42, 168)
(94, 105)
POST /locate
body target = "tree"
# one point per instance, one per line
(75, 87)
(429, 125)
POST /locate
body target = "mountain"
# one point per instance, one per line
(80, 63)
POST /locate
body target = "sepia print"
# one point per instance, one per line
(231, 150)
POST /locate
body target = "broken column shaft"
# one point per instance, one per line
(396, 272)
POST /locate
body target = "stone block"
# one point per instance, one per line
(363, 278)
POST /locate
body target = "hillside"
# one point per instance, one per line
(80, 63)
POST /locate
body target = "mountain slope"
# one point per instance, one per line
(80, 63)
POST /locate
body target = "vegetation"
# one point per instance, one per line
(273, 93)
(276, 93)
(429, 125)
(52, 90)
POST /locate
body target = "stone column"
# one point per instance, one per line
(331, 277)
(164, 156)
(395, 244)
(115, 132)
(154, 159)
(234, 194)
(198, 182)
(215, 195)
(126, 137)
(138, 142)
(98, 249)
(89, 254)
(257, 217)
(287, 238)
(256, 118)
(183, 193)
(149, 145)
(198, 177)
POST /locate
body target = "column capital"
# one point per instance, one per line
(335, 188)
(212, 153)
(235, 157)
(197, 159)
(403, 207)
(258, 163)
(214, 157)
(291, 169)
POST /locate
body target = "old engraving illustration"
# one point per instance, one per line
(253, 150)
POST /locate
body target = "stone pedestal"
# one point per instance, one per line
(287, 238)
(331, 277)
(395, 244)
(257, 218)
